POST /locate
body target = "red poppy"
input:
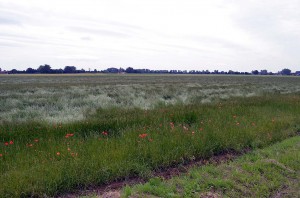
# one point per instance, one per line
(1, 154)
(6, 143)
(104, 133)
(143, 135)
(11, 142)
(69, 135)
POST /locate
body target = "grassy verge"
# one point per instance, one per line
(39, 159)
(270, 172)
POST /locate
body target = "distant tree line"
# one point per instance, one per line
(46, 69)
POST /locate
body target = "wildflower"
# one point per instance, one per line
(234, 116)
(1, 154)
(193, 132)
(253, 124)
(172, 125)
(36, 140)
(143, 135)
(6, 143)
(29, 145)
(150, 140)
(69, 149)
(58, 153)
(104, 133)
(69, 135)
(74, 154)
(237, 124)
(11, 142)
(201, 129)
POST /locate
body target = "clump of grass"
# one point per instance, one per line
(39, 158)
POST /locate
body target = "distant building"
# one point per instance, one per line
(297, 73)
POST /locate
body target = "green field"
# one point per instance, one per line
(60, 133)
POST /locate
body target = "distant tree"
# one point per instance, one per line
(230, 72)
(264, 72)
(255, 72)
(112, 70)
(121, 70)
(30, 70)
(286, 71)
(14, 71)
(70, 69)
(129, 70)
(44, 69)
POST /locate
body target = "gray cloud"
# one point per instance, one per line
(23, 40)
(15, 36)
(10, 44)
(99, 32)
(86, 38)
(217, 42)
(266, 20)
(184, 47)
(259, 32)
(9, 21)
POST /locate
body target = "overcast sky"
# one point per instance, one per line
(155, 34)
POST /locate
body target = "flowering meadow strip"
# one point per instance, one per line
(38, 159)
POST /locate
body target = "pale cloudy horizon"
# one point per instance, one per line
(169, 34)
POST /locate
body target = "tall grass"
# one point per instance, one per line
(70, 98)
(43, 158)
